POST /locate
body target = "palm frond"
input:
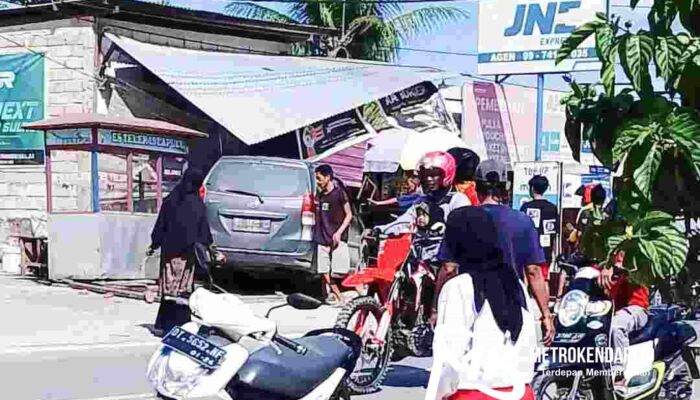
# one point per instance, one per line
(306, 12)
(256, 11)
(381, 43)
(425, 20)
(325, 11)
(361, 25)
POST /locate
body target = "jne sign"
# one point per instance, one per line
(521, 36)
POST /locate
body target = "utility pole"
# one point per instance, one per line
(342, 30)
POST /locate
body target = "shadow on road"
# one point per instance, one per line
(152, 329)
(268, 284)
(407, 377)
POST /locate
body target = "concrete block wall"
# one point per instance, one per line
(70, 49)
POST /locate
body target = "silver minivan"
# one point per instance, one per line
(261, 212)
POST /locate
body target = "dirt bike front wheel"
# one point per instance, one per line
(362, 316)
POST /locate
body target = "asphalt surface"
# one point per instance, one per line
(59, 343)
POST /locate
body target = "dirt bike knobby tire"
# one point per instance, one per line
(370, 304)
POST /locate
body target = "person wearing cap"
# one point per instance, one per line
(545, 216)
(516, 231)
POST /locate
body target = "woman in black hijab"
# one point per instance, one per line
(181, 223)
(484, 334)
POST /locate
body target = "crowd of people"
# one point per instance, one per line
(493, 280)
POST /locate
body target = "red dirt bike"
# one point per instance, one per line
(393, 317)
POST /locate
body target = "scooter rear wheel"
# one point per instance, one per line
(366, 380)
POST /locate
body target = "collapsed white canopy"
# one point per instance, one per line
(259, 97)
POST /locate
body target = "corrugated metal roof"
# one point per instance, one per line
(257, 98)
(88, 120)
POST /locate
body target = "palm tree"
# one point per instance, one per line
(372, 30)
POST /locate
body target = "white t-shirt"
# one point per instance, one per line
(471, 352)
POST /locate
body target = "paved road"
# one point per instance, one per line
(63, 344)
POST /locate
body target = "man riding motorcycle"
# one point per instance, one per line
(436, 171)
(631, 305)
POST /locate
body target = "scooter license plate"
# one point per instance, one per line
(195, 347)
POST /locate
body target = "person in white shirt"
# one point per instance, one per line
(484, 344)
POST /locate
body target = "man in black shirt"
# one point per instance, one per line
(545, 216)
(333, 217)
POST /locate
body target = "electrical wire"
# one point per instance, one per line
(449, 53)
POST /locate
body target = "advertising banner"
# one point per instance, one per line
(491, 122)
(419, 108)
(599, 175)
(22, 98)
(323, 136)
(514, 112)
(173, 168)
(570, 183)
(524, 171)
(523, 37)
(573, 181)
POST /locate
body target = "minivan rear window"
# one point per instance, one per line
(264, 179)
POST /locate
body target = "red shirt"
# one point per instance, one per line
(470, 192)
(625, 293)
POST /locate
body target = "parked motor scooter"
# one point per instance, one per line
(660, 362)
(204, 358)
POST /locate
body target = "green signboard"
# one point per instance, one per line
(143, 141)
(22, 96)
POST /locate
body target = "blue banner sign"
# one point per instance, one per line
(22, 91)
(69, 137)
(143, 141)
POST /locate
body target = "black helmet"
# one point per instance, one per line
(467, 162)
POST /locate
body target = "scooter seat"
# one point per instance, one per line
(292, 375)
(659, 316)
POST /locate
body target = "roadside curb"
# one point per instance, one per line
(104, 289)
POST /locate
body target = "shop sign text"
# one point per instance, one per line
(143, 141)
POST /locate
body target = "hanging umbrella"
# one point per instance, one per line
(400, 147)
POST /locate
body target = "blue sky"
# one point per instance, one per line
(460, 38)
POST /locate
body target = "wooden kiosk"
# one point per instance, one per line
(106, 178)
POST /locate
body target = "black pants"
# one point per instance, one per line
(170, 315)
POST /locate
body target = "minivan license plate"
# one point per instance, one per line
(251, 225)
(195, 347)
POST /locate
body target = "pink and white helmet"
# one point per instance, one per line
(441, 160)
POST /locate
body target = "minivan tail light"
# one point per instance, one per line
(308, 215)
(203, 192)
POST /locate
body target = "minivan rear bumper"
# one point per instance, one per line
(256, 260)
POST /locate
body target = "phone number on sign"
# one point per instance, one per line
(552, 54)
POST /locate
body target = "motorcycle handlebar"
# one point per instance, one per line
(290, 344)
